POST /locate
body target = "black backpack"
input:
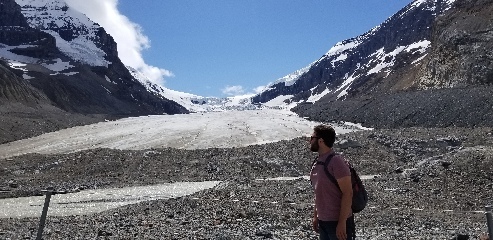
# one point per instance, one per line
(360, 196)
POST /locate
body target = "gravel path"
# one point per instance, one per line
(414, 196)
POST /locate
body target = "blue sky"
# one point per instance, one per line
(224, 48)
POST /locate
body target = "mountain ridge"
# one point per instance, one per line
(384, 83)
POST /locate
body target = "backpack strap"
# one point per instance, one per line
(325, 164)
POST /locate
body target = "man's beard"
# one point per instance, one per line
(314, 146)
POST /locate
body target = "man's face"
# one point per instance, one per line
(314, 143)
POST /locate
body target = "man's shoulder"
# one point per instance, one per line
(339, 159)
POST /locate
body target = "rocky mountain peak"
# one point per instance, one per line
(77, 36)
(10, 14)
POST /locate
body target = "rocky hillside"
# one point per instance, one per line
(409, 164)
(26, 111)
(461, 53)
(430, 64)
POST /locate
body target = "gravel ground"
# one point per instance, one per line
(414, 197)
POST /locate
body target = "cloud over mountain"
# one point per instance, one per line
(129, 35)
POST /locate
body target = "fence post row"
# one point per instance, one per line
(49, 191)
(489, 221)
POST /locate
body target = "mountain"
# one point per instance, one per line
(59, 69)
(72, 61)
(430, 64)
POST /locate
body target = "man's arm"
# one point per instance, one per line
(346, 202)
(315, 220)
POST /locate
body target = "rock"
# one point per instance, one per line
(13, 184)
(347, 143)
(446, 164)
(263, 233)
(461, 237)
(103, 233)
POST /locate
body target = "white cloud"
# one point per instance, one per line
(239, 91)
(233, 90)
(259, 89)
(129, 36)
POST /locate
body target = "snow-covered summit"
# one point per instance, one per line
(76, 35)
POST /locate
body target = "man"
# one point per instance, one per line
(333, 218)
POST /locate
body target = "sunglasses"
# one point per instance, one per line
(312, 137)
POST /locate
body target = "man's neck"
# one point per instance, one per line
(325, 150)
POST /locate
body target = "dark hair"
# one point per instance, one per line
(327, 133)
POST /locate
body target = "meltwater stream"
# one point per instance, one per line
(98, 200)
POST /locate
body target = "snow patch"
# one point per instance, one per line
(109, 80)
(291, 78)
(345, 86)
(81, 49)
(419, 59)
(26, 77)
(341, 47)
(15, 58)
(419, 3)
(70, 73)
(278, 102)
(315, 97)
(17, 65)
(385, 60)
(58, 66)
(341, 57)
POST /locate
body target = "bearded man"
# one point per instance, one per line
(332, 218)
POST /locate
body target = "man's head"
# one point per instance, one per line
(323, 136)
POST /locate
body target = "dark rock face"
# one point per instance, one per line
(16, 89)
(461, 54)
(14, 31)
(10, 14)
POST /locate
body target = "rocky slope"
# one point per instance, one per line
(25, 111)
(413, 197)
(464, 107)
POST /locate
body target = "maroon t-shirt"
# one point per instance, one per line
(327, 194)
